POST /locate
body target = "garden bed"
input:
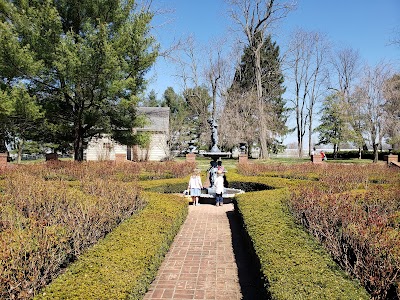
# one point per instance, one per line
(352, 210)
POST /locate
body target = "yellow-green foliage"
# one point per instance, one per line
(123, 264)
(294, 264)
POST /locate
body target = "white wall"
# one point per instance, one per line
(158, 148)
(104, 148)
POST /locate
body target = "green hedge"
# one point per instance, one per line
(124, 263)
(353, 154)
(294, 264)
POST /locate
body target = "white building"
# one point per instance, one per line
(104, 148)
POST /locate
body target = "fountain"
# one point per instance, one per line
(216, 154)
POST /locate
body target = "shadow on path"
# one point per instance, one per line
(250, 277)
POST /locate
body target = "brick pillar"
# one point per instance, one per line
(243, 158)
(191, 157)
(391, 158)
(316, 159)
(3, 160)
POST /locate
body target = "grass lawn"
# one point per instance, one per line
(204, 162)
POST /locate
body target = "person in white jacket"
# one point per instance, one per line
(219, 188)
(195, 186)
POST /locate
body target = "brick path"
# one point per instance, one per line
(201, 262)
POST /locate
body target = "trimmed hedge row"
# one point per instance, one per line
(123, 264)
(354, 154)
(45, 224)
(294, 264)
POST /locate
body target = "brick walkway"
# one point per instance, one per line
(201, 262)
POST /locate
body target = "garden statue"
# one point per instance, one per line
(214, 135)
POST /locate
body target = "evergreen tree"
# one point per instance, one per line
(151, 100)
(24, 119)
(179, 125)
(198, 101)
(333, 128)
(5, 110)
(85, 60)
(272, 84)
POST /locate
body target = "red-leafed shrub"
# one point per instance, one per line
(50, 215)
(354, 211)
(52, 212)
(359, 228)
(169, 169)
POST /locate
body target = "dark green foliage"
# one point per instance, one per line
(198, 102)
(179, 121)
(244, 83)
(271, 73)
(334, 129)
(84, 61)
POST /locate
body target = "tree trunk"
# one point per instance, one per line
(335, 150)
(20, 148)
(309, 137)
(263, 125)
(3, 147)
(78, 143)
(299, 133)
(376, 152)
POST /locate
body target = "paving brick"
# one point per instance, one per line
(201, 263)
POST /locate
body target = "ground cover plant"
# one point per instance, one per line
(51, 213)
(353, 211)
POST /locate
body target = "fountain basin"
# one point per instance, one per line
(209, 193)
(217, 155)
(228, 193)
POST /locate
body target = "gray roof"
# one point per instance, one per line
(158, 118)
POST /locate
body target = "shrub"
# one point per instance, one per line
(295, 266)
(353, 210)
(169, 169)
(360, 230)
(123, 265)
(45, 224)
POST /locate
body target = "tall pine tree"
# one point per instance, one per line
(244, 83)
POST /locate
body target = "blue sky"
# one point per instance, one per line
(364, 25)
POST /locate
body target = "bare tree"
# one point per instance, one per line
(239, 118)
(217, 72)
(370, 94)
(346, 65)
(255, 19)
(194, 91)
(306, 58)
(392, 111)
